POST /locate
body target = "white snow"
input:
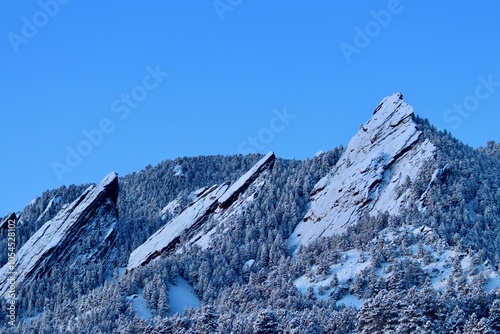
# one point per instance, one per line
(439, 269)
(176, 227)
(350, 301)
(349, 268)
(375, 163)
(248, 265)
(493, 281)
(318, 154)
(206, 202)
(178, 170)
(53, 201)
(181, 296)
(235, 187)
(50, 235)
(121, 271)
(172, 208)
(33, 318)
(140, 305)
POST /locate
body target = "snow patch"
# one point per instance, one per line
(140, 305)
(345, 271)
(181, 296)
(248, 265)
(318, 154)
(178, 171)
(350, 301)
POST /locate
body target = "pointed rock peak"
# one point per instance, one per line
(390, 130)
(385, 152)
(108, 187)
(94, 213)
(393, 98)
(242, 184)
(4, 223)
(110, 178)
(391, 111)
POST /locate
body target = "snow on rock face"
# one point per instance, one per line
(188, 223)
(172, 208)
(4, 223)
(55, 241)
(168, 236)
(244, 182)
(386, 152)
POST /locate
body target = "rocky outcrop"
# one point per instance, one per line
(246, 180)
(370, 176)
(92, 216)
(4, 223)
(208, 201)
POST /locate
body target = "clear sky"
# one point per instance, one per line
(125, 84)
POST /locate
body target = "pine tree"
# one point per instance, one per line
(266, 322)
(483, 327)
(380, 313)
(495, 316)
(208, 320)
(455, 321)
(471, 324)
(411, 321)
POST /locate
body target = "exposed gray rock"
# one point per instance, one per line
(93, 215)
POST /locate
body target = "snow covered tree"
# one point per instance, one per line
(494, 317)
(266, 322)
(207, 323)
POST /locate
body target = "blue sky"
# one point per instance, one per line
(123, 85)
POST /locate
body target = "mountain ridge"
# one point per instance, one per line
(404, 213)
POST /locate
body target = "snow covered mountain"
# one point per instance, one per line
(397, 232)
(214, 200)
(93, 214)
(381, 159)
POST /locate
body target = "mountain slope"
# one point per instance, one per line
(370, 177)
(55, 242)
(399, 232)
(189, 221)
